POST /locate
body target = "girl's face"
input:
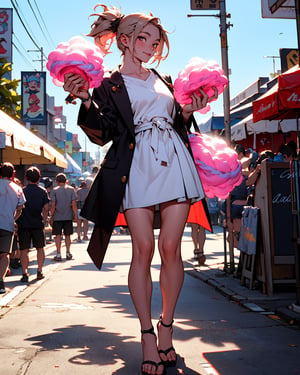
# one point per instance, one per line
(146, 43)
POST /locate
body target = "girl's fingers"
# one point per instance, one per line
(74, 83)
(216, 94)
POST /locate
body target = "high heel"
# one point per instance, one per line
(201, 258)
(196, 254)
(149, 362)
(167, 363)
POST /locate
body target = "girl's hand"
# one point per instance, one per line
(198, 102)
(76, 85)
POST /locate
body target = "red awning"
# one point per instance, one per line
(282, 100)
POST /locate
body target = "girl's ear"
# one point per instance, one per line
(124, 40)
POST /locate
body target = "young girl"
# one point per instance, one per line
(148, 167)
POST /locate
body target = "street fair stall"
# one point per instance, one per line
(282, 101)
(20, 146)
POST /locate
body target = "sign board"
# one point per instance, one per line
(275, 4)
(288, 58)
(205, 4)
(285, 10)
(281, 211)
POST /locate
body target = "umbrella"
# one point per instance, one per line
(246, 128)
(282, 100)
(72, 168)
(24, 147)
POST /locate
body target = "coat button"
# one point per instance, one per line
(123, 179)
(131, 146)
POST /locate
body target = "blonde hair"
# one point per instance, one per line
(112, 24)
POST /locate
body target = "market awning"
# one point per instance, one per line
(23, 147)
(247, 127)
(72, 168)
(282, 100)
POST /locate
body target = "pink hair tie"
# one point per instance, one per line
(77, 56)
(197, 74)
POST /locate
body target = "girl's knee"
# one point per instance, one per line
(168, 250)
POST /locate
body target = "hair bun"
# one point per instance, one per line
(115, 24)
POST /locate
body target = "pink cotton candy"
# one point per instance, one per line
(76, 56)
(199, 73)
(217, 164)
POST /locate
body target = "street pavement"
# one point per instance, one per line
(80, 320)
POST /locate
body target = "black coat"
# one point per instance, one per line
(110, 118)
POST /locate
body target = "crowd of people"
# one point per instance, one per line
(28, 210)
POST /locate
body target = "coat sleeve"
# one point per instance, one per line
(99, 121)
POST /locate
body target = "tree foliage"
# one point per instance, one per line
(10, 101)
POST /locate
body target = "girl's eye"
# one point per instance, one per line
(155, 45)
(142, 38)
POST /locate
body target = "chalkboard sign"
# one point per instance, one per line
(281, 202)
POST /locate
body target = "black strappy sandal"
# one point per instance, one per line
(201, 258)
(167, 363)
(196, 254)
(149, 362)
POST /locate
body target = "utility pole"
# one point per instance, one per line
(224, 54)
(226, 106)
(208, 5)
(42, 56)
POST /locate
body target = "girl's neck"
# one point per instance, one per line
(134, 69)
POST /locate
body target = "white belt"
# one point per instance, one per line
(160, 129)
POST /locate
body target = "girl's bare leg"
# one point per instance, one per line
(140, 223)
(195, 235)
(173, 220)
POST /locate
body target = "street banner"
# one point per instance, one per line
(75, 139)
(69, 147)
(58, 114)
(33, 97)
(6, 29)
(61, 145)
(69, 136)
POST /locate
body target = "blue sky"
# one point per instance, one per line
(249, 40)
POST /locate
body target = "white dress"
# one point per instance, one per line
(162, 168)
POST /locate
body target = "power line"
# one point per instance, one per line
(37, 20)
(20, 52)
(42, 19)
(20, 18)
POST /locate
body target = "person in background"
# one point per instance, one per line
(81, 193)
(148, 165)
(63, 212)
(198, 238)
(290, 151)
(12, 201)
(15, 256)
(197, 232)
(32, 222)
(47, 183)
